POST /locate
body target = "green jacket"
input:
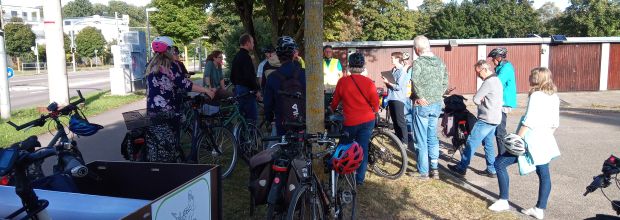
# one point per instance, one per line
(430, 79)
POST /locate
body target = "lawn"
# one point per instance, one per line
(95, 104)
(381, 198)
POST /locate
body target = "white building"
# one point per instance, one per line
(31, 16)
(110, 27)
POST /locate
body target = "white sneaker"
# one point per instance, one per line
(534, 212)
(500, 205)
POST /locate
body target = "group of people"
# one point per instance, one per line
(415, 96)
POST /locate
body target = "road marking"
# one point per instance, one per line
(31, 88)
(89, 82)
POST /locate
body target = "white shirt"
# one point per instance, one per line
(261, 66)
(542, 117)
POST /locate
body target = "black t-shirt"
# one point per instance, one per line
(242, 70)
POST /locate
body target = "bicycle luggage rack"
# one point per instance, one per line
(136, 119)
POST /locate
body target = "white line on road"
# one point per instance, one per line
(30, 88)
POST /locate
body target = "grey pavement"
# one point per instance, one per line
(589, 132)
(30, 91)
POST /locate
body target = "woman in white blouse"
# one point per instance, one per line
(537, 127)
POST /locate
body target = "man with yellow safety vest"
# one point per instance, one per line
(332, 69)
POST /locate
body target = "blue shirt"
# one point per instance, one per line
(506, 74)
(274, 83)
(398, 90)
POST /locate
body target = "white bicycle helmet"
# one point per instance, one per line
(514, 144)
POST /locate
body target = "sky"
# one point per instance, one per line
(562, 4)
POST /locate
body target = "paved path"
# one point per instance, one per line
(30, 91)
(586, 138)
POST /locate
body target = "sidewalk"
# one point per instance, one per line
(589, 127)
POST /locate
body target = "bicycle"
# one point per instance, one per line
(387, 156)
(611, 166)
(70, 160)
(337, 200)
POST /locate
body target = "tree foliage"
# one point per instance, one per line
(591, 18)
(389, 20)
(77, 8)
(18, 38)
(88, 40)
(182, 20)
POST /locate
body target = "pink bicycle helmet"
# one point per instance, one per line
(161, 44)
(347, 158)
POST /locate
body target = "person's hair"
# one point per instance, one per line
(422, 43)
(482, 64)
(541, 80)
(159, 60)
(356, 69)
(175, 49)
(244, 39)
(214, 54)
(399, 55)
(327, 46)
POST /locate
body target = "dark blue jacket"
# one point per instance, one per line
(274, 83)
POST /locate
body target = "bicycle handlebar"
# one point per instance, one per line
(41, 120)
(235, 98)
(295, 137)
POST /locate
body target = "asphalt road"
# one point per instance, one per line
(31, 91)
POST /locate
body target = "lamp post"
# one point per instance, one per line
(35, 49)
(148, 31)
(96, 58)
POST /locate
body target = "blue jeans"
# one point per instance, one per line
(247, 105)
(482, 133)
(425, 130)
(361, 134)
(409, 121)
(544, 179)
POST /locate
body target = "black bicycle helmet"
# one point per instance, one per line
(356, 60)
(81, 127)
(498, 52)
(286, 46)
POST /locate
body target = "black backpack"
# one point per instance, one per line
(292, 98)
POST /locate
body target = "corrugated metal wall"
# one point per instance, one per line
(524, 58)
(576, 67)
(613, 82)
(460, 61)
(379, 60)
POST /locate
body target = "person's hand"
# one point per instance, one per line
(210, 92)
(421, 101)
(259, 96)
(385, 80)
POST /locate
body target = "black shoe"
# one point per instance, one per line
(489, 174)
(435, 174)
(456, 170)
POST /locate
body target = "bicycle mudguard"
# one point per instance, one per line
(275, 194)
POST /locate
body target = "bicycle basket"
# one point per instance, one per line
(136, 119)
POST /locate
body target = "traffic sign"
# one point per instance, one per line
(9, 72)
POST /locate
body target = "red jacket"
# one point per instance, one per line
(356, 104)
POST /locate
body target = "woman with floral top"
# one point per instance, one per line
(166, 85)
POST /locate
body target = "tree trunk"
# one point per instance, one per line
(245, 9)
(314, 73)
(19, 64)
(272, 11)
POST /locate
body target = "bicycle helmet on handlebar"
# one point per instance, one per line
(514, 144)
(347, 158)
(81, 127)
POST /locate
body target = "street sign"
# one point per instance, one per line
(9, 72)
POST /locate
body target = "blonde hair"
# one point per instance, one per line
(159, 61)
(541, 80)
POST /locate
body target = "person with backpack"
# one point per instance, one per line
(536, 131)
(506, 73)
(285, 92)
(165, 85)
(397, 96)
(360, 102)
(489, 101)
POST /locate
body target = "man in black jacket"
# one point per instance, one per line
(243, 77)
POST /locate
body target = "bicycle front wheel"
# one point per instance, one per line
(249, 141)
(218, 146)
(346, 199)
(387, 156)
(305, 205)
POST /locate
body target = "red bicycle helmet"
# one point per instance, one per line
(347, 158)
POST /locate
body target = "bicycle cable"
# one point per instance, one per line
(612, 203)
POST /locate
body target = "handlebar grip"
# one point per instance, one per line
(37, 122)
(41, 154)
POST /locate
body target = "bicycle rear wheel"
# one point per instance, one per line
(305, 205)
(387, 156)
(346, 200)
(218, 146)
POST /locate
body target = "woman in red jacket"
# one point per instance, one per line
(360, 101)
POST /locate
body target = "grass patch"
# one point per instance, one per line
(95, 104)
(380, 198)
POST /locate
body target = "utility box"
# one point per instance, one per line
(132, 190)
(133, 50)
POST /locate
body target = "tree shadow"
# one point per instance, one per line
(600, 116)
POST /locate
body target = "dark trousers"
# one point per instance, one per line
(500, 132)
(397, 112)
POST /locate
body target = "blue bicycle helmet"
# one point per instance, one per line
(81, 127)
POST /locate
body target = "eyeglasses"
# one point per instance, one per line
(220, 57)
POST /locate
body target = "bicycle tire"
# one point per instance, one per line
(272, 213)
(249, 141)
(386, 149)
(346, 200)
(298, 209)
(218, 146)
(185, 143)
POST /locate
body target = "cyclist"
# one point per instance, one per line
(360, 102)
(506, 74)
(276, 81)
(177, 59)
(165, 84)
